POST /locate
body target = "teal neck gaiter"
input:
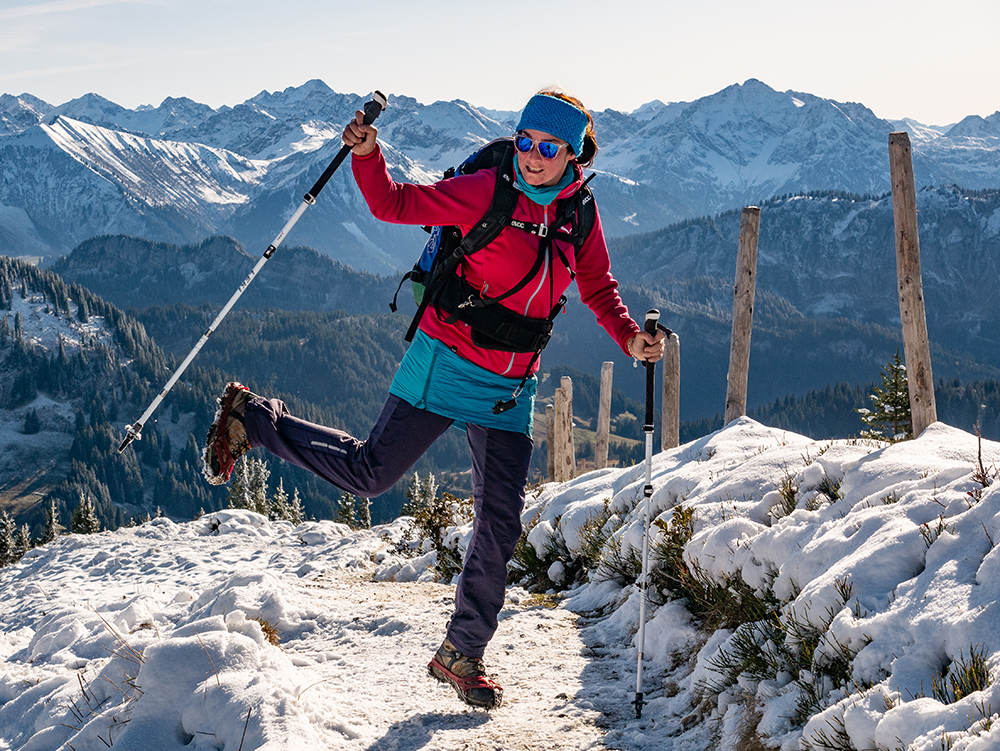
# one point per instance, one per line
(543, 195)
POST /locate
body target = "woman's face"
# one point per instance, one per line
(537, 170)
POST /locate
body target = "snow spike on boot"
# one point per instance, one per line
(467, 676)
(227, 437)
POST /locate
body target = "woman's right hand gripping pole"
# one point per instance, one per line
(360, 137)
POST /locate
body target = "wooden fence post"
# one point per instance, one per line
(916, 344)
(670, 427)
(558, 442)
(743, 293)
(550, 436)
(568, 455)
(604, 417)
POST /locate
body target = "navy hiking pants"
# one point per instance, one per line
(401, 435)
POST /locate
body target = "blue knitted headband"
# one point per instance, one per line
(557, 117)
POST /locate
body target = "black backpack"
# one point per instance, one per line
(436, 284)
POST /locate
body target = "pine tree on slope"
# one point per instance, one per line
(890, 419)
(239, 487)
(345, 510)
(259, 475)
(85, 521)
(297, 515)
(364, 513)
(7, 543)
(281, 509)
(23, 542)
(52, 525)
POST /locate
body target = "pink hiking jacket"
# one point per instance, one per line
(463, 200)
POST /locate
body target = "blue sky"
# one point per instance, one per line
(932, 61)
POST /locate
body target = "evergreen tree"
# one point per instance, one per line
(413, 495)
(239, 485)
(32, 423)
(345, 510)
(364, 515)
(281, 509)
(22, 542)
(296, 514)
(85, 521)
(890, 419)
(8, 546)
(259, 475)
(420, 494)
(51, 523)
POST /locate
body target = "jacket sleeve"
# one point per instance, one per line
(599, 289)
(461, 200)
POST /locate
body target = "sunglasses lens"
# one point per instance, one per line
(547, 149)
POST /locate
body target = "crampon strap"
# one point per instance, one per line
(222, 452)
(468, 683)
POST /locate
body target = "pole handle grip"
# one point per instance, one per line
(373, 109)
(652, 318)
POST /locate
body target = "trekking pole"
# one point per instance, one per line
(372, 110)
(652, 318)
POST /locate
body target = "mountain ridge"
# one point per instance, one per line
(659, 164)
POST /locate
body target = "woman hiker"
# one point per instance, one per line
(445, 378)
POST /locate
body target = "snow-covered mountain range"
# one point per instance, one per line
(183, 171)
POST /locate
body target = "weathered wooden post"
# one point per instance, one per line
(916, 345)
(550, 436)
(670, 422)
(743, 293)
(604, 417)
(558, 442)
(568, 449)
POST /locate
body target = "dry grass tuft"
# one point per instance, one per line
(270, 631)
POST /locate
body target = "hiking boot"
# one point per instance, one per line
(227, 438)
(467, 676)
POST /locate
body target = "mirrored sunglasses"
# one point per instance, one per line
(547, 149)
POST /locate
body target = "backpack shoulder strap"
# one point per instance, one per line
(501, 209)
(581, 210)
(485, 231)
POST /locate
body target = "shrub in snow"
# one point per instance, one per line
(601, 554)
(537, 552)
(433, 523)
(963, 676)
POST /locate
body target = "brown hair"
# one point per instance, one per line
(586, 158)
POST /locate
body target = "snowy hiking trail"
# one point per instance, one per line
(888, 563)
(376, 650)
(350, 672)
